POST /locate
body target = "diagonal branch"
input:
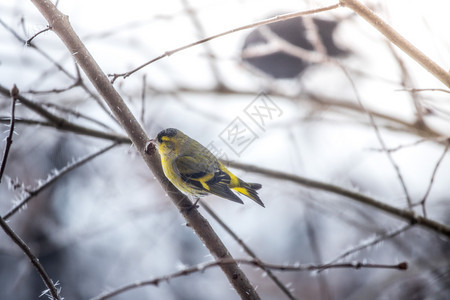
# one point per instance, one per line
(398, 40)
(34, 260)
(61, 26)
(433, 175)
(249, 251)
(56, 64)
(379, 137)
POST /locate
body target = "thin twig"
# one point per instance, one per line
(9, 140)
(324, 289)
(77, 81)
(77, 114)
(365, 245)
(144, 89)
(58, 66)
(26, 121)
(284, 268)
(52, 178)
(34, 260)
(247, 249)
(396, 124)
(313, 36)
(433, 175)
(379, 137)
(426, 90)
(408, 81)
(28, 42)
(418, 142)
(248, 26)
(201, 33)
(277, 43)
(55, 90)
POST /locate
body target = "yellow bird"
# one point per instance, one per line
(196, 172)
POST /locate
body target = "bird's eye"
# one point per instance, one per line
(169, 144)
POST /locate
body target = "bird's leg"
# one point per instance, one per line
(193, 205)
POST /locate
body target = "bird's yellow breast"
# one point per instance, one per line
(173, 176)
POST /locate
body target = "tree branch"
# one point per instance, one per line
(406, 215)
(57, 65)
(253, 262)
(398, 40)
(247, 249)
(207, 39)
(364, 245)
(8, 142)
(34, 260)
(61, 26)
(61, 123)
(51, 179)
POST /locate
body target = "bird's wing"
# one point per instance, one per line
(206, 176)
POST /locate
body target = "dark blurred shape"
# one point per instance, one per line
(277, 63)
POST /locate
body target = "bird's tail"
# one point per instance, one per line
(249, 190)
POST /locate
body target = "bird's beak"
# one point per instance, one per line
(150, 146)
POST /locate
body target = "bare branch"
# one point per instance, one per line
(335, 103)
(144, 88)
(248, 26)
(277, 43)
(324, 288)
(77, 114)
(34, 260)
(54, 177)
(406, 215)
(247, 249)
(379, 137)
(427, 90)
(63, 124)
(61, 26)
(58, 66)
(28, 42)
(430, 185)
(284, 268)
(407, 81)
(201, 33)
(56, 90)
(398, 40)
(17, 120)
(421, 141)
(9, 140)
(379, 239)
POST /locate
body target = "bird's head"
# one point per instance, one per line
(169, 141)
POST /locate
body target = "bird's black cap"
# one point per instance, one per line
(169, 132)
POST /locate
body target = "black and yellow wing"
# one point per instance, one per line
(205, 176)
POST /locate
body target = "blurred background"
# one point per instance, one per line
(300, 91)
